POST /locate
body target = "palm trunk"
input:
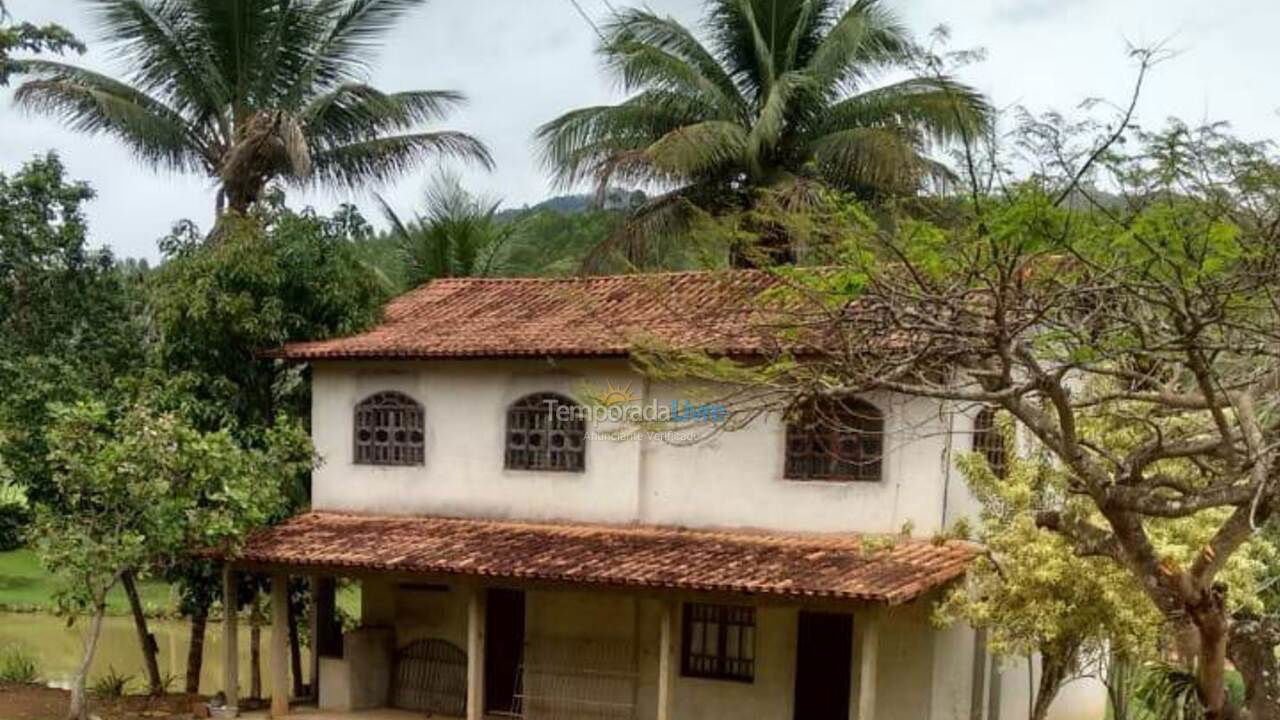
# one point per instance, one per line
(295, 651)
(195, 650)
(79, 709)
(255, 649)
(145, 638)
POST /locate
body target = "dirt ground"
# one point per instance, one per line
(35, 702)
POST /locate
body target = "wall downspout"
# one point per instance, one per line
(947, 462)
(642, 462)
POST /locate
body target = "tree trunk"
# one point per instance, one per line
(295, 650)
(255, 648)
(79, 709)
(1214, 626)
(1053, 672)
(145, 638)
(1252, 648)
(195, 650)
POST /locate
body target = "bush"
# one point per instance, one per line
(15, 514)
(112, 684)
(18, 666)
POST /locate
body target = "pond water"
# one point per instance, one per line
(57, 649)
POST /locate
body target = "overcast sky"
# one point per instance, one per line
(522, 62)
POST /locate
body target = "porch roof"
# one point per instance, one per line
(834, 566)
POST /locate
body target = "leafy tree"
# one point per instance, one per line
(1136, 344)
(274, 277)
(29, 38)
(1034, 595)
(551, 242)
(138, 489)
(253, 91)
(780, 95)
(68, 314)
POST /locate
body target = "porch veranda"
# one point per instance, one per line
(616, 592)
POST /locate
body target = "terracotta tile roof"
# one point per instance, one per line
(755, 562)
(595, 316)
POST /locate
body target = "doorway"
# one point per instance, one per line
(503, 650)
(824, 666)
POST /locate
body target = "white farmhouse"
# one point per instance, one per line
(519, 557)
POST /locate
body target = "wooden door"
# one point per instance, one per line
(824, 666)
(503, 649)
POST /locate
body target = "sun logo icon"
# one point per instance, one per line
(614, 395)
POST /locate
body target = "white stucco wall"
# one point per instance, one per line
(732, 480)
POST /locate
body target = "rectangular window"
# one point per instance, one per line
(719, 642)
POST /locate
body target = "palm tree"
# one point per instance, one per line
(252, 91)
(461, 235)
(780, 98)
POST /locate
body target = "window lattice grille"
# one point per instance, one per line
(541, 436)
(989, 440)
(836, 439)
(719, 642)
(389, 430)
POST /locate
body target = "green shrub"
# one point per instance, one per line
(15, 514)
(18, 666)
(112, 684)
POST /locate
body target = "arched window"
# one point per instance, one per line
(838, 439)
(546, 432)
(989, 440)
(389, 430)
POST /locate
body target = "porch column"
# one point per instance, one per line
(866, 632)
(323, 613)
(279, 645)
(668, 659)
(230, 638)
(475, 654)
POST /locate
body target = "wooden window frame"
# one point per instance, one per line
(392, 413)
(823, 427)
(532, 416)
(731, 621)
(989, 440)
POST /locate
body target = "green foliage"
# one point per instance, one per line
(778, 95)
(276, 277)
(139, 489)
(15, 511)
(253, 91)
(1031, 591)
(111, 684)
(18, 666)
(68, 314)
(1168, 692)
(459, 236)
(26, 37)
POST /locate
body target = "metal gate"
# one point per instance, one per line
(431, 677)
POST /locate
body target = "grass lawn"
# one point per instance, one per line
(24, 584)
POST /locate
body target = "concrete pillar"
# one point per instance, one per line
(978, 685)
(279, 645)
(230, 638)
(475, 654)
(668, 658)
(326, 638)
(866, 653)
